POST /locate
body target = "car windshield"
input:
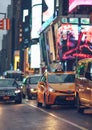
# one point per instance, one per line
(7, 83)
(35, 79)
(18, 75)
(61, 78)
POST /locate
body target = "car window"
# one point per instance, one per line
(34, 80)
(81, 69)
(61, 78)
(88, 73)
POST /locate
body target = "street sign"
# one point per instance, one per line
(2, 24)
(5, 24)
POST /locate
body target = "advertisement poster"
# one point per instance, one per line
(74, 42)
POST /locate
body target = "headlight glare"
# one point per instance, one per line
(51, 89)
(17, 91)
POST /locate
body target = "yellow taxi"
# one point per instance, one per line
(56, 88)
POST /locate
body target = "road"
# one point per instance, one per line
(27, 116)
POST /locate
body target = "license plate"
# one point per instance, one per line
(6, 98)
(69, 98)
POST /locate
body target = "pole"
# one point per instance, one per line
(3, 14)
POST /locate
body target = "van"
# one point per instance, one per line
(83, 82)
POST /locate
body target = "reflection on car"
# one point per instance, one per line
(56, 89)
(29, 86)
(83, 82)
(10, 90)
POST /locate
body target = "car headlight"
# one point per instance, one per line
(17, 91)
(21, 87)
(31, 89)
(51, 89)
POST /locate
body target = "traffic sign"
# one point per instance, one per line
(5, 24)
(2, 24)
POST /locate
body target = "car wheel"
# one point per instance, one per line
(23, 95)
(29, 97)
(47, 106)
(39, 104)
(18, 101)
(80, 109)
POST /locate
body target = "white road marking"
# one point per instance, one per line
(62, 119)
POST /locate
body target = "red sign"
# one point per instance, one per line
(2, 24)
(74, 3)
(5, 24)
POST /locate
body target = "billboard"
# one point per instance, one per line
(74, 41)
(35, 56)
(74, 3)
(66, 41)
(36, 18)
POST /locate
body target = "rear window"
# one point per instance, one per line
(61, 78)
(34, 80)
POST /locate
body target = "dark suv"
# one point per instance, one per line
(10, 90)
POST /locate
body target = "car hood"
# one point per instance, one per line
(63, 86)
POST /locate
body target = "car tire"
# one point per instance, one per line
(39, 104)
(80, 108)
(47, 106)
(18, 101)
(23, 95)
(29, 97)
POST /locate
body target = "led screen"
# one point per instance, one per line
(67, 38)
(74, 3)
(35, 56)
(85, 21)
(74, 42)
(84, 46)
(73, 20)
(36, 18)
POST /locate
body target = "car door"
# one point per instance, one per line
(80, 80)
(88, 84)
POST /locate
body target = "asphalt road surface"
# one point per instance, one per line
(27, 116)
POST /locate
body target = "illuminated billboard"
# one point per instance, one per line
(67, 38)
(36, 18)
(35, 56)
(74, 42)
(74, 3)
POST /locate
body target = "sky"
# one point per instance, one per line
(3, 9)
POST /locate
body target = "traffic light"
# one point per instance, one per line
(2, 24)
